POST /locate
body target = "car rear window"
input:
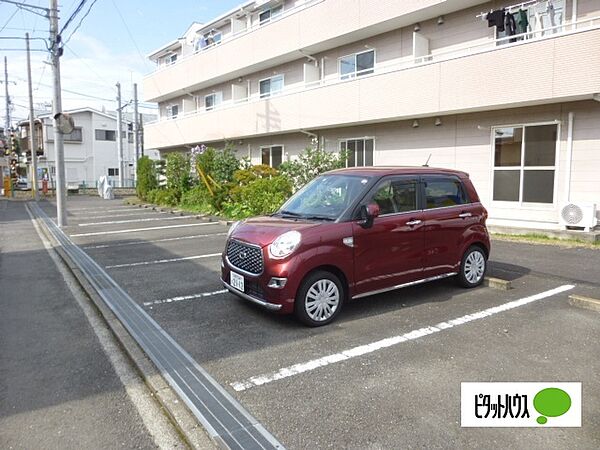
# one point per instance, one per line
(441, 192)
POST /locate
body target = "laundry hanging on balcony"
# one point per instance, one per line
(496, 19)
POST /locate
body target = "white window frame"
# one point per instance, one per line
(271, 94)
(270, 147)
(169, 111)
(360, 138)
(520, 203)
(272, 16)
(355, 74)
(217, 100)
(169, 58)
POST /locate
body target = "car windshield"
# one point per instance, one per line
(324, 198)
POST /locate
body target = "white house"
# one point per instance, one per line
(91, 150)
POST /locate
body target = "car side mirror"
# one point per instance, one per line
(368, 214)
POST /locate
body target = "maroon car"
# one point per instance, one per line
(356, 232)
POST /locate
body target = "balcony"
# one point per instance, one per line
(305, 29)
(541, 69)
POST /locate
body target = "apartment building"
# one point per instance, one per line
(90, 150)
(509, 93)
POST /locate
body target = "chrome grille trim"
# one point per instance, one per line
(246, 258)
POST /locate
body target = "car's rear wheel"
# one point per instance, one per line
(472, 267)
(319, 299)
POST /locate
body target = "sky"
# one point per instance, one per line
(109, 46)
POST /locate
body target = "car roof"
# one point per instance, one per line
(398, 170)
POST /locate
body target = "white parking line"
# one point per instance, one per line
(140, 213)
(136, 230)
(147, 219)
(104, 209)
(163, 261)
(185, 297)
(388, 342)
(123, 244)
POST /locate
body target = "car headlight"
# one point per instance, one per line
(233, 227)
(285, 245)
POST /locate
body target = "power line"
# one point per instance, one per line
(70, 19)
(104, 82)
(80, 22)
(9, 19)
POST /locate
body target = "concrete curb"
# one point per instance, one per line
(179, 415)
(584, 302)
(497, 283)
(180, 212)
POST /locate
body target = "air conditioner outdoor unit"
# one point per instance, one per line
(578, 215)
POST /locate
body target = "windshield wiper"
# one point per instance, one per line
(288, 213)
(329, 219)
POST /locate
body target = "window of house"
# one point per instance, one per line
(441, 192)
(172, 111)
(272, 156)
(270, 14)
(359, 151)
(396, 196)
(170, 59)
(106, 135)
(357, 64)
(525, 163)
(113, 172)
(213, 100)
(130, 137)
(271, 86)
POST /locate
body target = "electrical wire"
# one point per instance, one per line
(73, 14)
(9, 19)
(80, 22)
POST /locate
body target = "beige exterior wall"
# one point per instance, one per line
(548, 71)
(464, 142)
(310, 29)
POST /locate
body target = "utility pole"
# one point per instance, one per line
(119, 136)
(56, 52)
(136, 133)
(7, 122)
(32, 146)
(141, 133)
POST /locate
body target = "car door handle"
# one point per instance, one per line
(464, 215)
(413, 222)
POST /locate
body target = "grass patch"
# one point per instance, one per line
(538, 238)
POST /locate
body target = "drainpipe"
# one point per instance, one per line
(322, 69)
(315, 137)
(574, 15)
(569, 154)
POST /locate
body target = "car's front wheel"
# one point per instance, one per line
(319, 298)
(472, 267)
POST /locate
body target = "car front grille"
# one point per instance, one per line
(245, 257)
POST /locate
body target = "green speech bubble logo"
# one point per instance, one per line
(552, 402)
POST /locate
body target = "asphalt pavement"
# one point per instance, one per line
(380, 376)
(58, 387)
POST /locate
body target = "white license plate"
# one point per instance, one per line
(237, 281)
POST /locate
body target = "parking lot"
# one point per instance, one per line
(387, 373)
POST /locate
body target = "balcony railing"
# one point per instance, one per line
(409, 63)
(235, 35)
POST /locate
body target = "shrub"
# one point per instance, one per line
(258, 197)
(310, 163)
(146, 177)
(178, 174)
(197, 199)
